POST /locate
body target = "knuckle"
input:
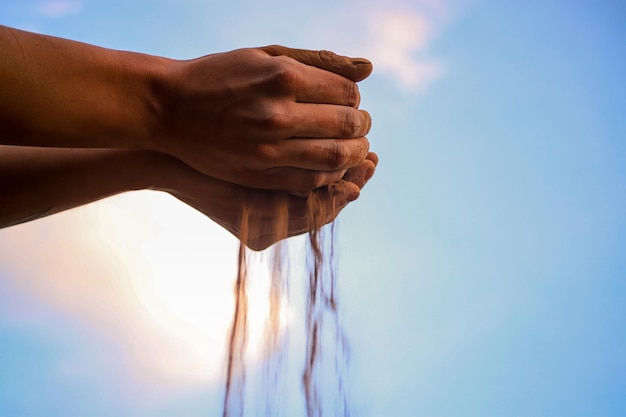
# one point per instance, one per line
(351, 123)
(284, 75)
(273, 50)
(337, 156)
(326, 57)
(272, 119)
(266, 155)
(353, 97)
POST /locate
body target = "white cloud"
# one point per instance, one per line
(397, 40)
(59, 8)
(396, 37)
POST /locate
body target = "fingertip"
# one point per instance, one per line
(276, 50)
(352, 192)
(369, 172)
(368, 120)
(371, 156)
(362, 68)
(356, 175)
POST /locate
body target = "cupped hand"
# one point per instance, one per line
(271, 118)
(270, 216)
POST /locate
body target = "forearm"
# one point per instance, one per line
(57, 92)
(36, 182)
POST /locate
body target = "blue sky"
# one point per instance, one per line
(482, 270)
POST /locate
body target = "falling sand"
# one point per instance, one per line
(323, 367)
(321, 312)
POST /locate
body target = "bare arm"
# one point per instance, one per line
(35, 182)
(57, 92)
(271, 117)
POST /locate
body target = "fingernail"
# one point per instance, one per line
(361, 61)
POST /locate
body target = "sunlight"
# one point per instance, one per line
(186, 267)
(150, 275)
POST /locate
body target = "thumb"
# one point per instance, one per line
(355, 69)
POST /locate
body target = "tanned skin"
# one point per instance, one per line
(79, 123)
(35, 182)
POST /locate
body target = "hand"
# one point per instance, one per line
(226, 203)
(43, 181)
(266, 118)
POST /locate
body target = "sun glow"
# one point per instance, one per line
(152, 274)
(186, 285)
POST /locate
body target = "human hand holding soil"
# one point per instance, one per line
(270, 118)
(42, 181)
(273, 216)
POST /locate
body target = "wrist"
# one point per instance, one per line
(62, 93)
(164, 80)
(157, 171)
(143, 78)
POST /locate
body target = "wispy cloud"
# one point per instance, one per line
(397, 37)
(59, 8)
(398, 42)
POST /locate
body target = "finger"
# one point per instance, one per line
(321, 206)
(263, 227)
(319, 86)
(292, 179)
(322, 154)
(364, 170)
(307, 120)
(327, 204)
(360, 174)
(373, 157)
(346, 190)
(327, 200)
(355, 69)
